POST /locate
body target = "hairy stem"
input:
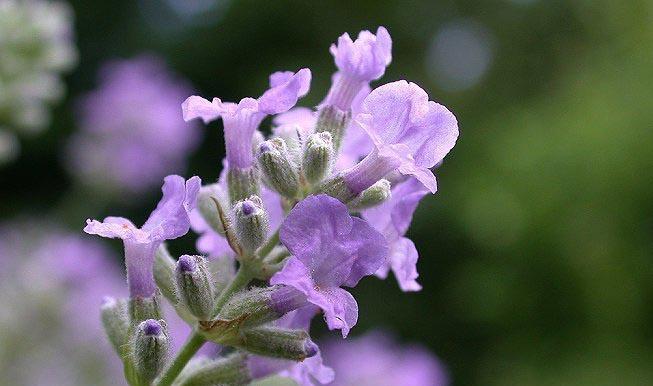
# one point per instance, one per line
(269, 245)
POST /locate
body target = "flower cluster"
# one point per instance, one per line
(37, 47)
(326, 200)
(131, 132)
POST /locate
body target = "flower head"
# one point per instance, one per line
(243, 118)
(392, 218)
(329, 249)
(169, 220)
(410, 135)
(131, 133)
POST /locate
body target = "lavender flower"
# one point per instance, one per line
(359, 62)
(330, 249)
(392, 218)
(377, 360)
(132, 135)
(410, 134)
(242, 119)
(168, 221)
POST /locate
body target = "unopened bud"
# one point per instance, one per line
(115, 319)
(318, 157)
(250, 223)
(334, 121)
(278, 343)
(208, 208)
(230, 370)
(150, 349)
(195, 288)
(278, 168)
(242, 183)
(372, 196)
(256, 306)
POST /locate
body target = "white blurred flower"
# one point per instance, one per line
(36, 47)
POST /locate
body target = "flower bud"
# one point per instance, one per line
(278, 343)
(195, 288)
(318, 157)
(256, 306)
(242, 183)
(278, 168)
(115, 319)
(150, 349)
(250, 223)
(208, 208)
(334, 121)
(230, 370)
(372, 196)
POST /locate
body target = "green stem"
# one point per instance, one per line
(269, 245)
(191, 347)
(196, 340)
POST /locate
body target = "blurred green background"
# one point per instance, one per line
(536, 252)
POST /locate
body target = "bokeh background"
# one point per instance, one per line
(536, 253)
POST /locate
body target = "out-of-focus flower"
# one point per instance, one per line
(330, 249)
(377, 360)
(36, 42)
(461, 53)
(392, 218)
(169, 220)
(131, 133)
(52, 285)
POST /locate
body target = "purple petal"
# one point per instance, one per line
(310, 370)
(393, 217)
(170, 218)
(115, 227)
(403, 260)
(314, 221)
(366, 58)
(372, 250)
(339, 306)
(198, 107)
(283, 95)
(400, 112)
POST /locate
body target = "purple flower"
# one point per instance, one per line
(330, 249)
(242, 119)
(377, 360)
(132, 135)
(168, 221)
(410, 134)
(392, 218)
(359, 62)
